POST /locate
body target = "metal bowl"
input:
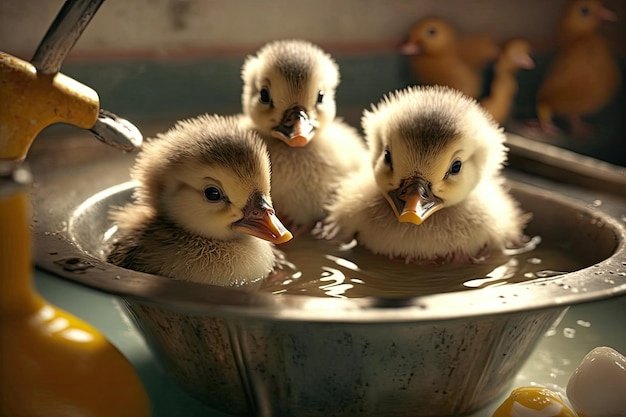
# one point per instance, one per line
(251, 353)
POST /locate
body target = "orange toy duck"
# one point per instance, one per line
(515, 55)
(583, 75)
(438, 57)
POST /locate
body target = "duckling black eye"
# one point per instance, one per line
(584, 10)
(320, 97)
(455, 168)
(431, 31)
(265, 96)
(388, 160)
(212, 194)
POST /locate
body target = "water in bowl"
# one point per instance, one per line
(320, 268)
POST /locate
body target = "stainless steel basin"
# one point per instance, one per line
(251, 353)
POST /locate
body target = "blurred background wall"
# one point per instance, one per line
(177, 58)
(183, 27)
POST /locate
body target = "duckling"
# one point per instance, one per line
(289, 99)
(515, 55)
(438, 58)
(435, 193)
(583, 76)
(202, 209)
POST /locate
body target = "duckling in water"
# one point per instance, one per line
(289, 99)
(435, 193)
(202, 209)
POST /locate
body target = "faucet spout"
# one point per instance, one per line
(116, 131)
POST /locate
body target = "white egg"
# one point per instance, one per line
(598, 386)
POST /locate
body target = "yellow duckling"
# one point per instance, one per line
(583, 76)
(515, 55)
(534, 402)
(438, 57)
(202, 200)
(435, 193)
(289, 99)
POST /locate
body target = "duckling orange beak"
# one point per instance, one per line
(259, 220)
(296, 128)
(411, 48)
(524, 61)
(414, 201)
(605, 14)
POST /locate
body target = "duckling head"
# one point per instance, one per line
(515, 55)
(210, 177)
(582, 17)
(431, 36)
(430, 147)
(289, 90)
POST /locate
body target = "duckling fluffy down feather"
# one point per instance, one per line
(202, 207)
(436, 159)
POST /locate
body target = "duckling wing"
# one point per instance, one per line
(449, 71)
(580, 79)
(349, 211)
(136, 250)
(166, 250)
(477, 50)
(348, 145)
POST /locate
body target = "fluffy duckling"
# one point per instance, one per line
(435, 194)
(202, 209)
(515, 55)
(583, 76)
(289, 99)
(438, 58)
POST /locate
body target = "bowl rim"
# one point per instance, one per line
(55, 248)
